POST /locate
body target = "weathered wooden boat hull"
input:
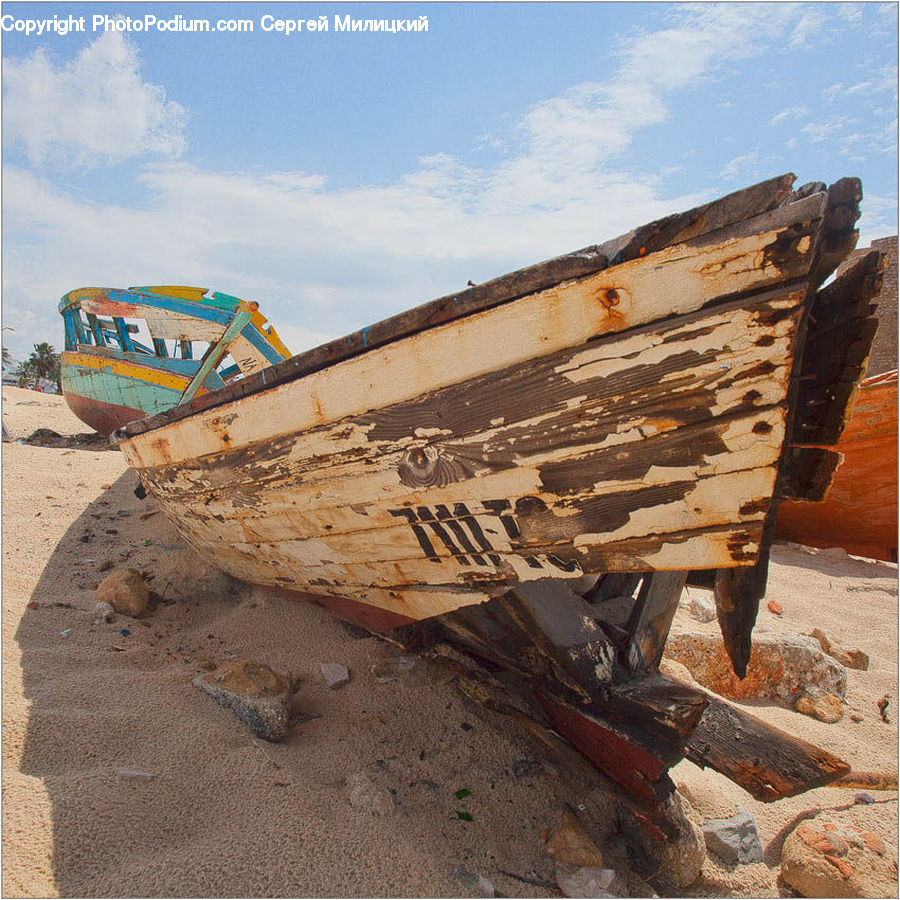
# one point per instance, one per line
(481, 466)
(860, 511)
(630, 420)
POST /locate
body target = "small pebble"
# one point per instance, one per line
(103, 612)
(335, 675)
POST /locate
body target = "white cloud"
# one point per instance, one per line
(96, 109)
(324, 261)
(850, 13)
(792, 112)
(809, 23)
(819, 131)
(739, 163)
(880, 219)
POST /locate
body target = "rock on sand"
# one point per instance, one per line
(258, 696)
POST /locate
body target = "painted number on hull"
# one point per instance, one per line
(467, 536)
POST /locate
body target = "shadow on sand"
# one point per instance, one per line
(218, 812)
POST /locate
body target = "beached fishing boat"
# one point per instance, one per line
(109, 377)
(529, 469)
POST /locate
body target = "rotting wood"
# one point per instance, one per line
(651, 618)
(830, 369)
(630, 474)
(807, 473)
(672, 283)
(737, 594)
(738, 591)
(766, 761)
(871, 781)
(665, 711)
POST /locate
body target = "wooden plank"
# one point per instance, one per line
(666, 711)
(839, 237)
(710, 420)
(646, 241)
(766, 761)
(583, 400)
(737, 593)
(807, 473)
(834, 359)
(668, 284)
(651, 618)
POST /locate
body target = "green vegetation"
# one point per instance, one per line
(43, 363)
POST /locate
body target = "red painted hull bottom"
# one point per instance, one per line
(102, 417)
(860, 511)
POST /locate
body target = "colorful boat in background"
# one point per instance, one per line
(860, 511)
(196, 342)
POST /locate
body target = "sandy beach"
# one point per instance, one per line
(215, 811)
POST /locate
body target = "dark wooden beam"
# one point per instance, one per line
(767, 762)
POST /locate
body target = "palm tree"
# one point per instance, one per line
(43, 363)
(26, 372)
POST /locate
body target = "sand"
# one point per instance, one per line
(226, 814)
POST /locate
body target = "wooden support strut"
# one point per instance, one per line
(591, 664)
(805, 473)
(216, 353)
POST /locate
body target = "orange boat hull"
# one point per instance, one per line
(860, 512)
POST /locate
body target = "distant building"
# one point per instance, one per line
(9, 372)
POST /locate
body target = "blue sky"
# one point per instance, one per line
(340, 177)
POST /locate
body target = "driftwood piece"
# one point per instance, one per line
(870, 781)
(767, 762)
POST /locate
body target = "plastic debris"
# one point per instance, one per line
(135, 775)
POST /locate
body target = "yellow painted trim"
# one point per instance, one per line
(183, 292)
(128, 369)
(259, 320)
